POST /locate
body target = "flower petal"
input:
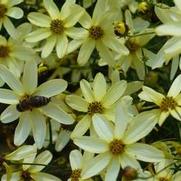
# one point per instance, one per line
(15, 12)
(39, 19)
(43, 158)
(128, 161)
(11, 80)
(38, 127)
(30, 77)
(77, 103)
(8, 96)
(22, 152)
(86, 91)
(96, 165)
(112, 170)
(81, 127)
(38, 35)
(101, 127)
(61, 45)
(173, 29)
(62, 140)
(140, 126)
(99, 86)
(10, 114)
(23, 128)
(85, 51)
(145, 152)
(151, 95)
(9, 26)
(114, 93)
(75, 158)
(53, 111)
(177, 3)
(44, 176)
(52, 9)
(121, 121)
(51, 88)
(14, 2)
(48, 47)
(76, 12)
(162, 117)
(175, 89)
(91, 144)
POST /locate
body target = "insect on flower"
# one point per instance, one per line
(32, 102)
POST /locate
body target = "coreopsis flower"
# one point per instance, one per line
(13, 54)
(98, 33)
(55, 27)
(31, 104)
(32, 168)
(135, 34)
(117, 145)
(170, 17)
(7, 10)
(167, 104)
(25, 152)
(164, 171)
(97, 98)
(78, 165)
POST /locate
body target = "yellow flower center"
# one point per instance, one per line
(4, 51)
(120, 28)
(57, 26)
(116, 147)
(95, 107)
(163, 179)
(3, 10)
(96, 32)
(132, 45)
(26, 176)
(75, 175)
(167, 103)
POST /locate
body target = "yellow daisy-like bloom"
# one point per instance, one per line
(7, 10)
(13, 54)
(169, 104)
(31, 103)
(98, 33)
(97, 99)
(56, 27)
(117, 145)
(165, 173)
(78, 163)
(28, 154)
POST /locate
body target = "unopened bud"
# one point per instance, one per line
(130, 173)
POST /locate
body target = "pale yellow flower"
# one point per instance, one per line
(31, 170)
(116, 145)
(167, 104)
(13, 54)
(78, 164)
(97, 98)
(32, 118)
(98, 33)
(7, 10)
(55, 27)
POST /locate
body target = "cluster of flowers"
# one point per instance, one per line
(44, 59)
